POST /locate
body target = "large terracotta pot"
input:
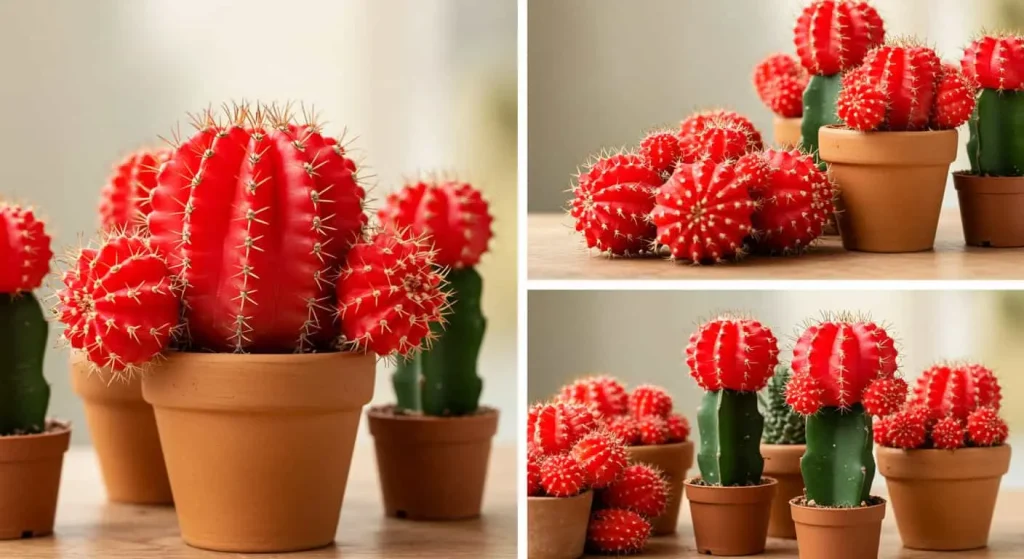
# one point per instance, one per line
(450, 452)
(991, 209)
(673, 460)
(30, 467)
(890, 184)
(944, 499)
(782, 462)
(556, 528)
(786, 132)
(258, 447)
(838, 533)
(730, 520)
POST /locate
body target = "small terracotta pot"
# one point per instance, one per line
(944, 499)
(890, 185)
(557, 528)
(849, 533)
(730, 520)
(673, 460)
(30, 467)
(258, 447)
(991, 209)
(787, 132)
(782, 462)
(123, 430)
(432, 468)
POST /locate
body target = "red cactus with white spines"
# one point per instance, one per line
(718, 141)
(905, 429)
(986, 428)
(692, 126)
(24, 249)
(954, 100)
(996, 62)
(606, 394)
(601, 456)
(453, 214)
(832, 36)
(647, 400)
(862, 106)
(884, 396)
(617, 531)
(779, 81)
(678, 428)
(948, 433)
(653, 430)
(956, 389)
(661, 151)
(612, 202)
(561, 476)
(124, 199)
(625, 428)
(732, 353)
(640, 488)
(554, 428)
(533, 461)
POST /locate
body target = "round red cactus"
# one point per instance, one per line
(533, 461)
(612, 202)
(996, 62)
(625, 428)
(124, 199)
(906, 429)
(389, 293)
(678, 428)
(695, 124)
(117, 304)
(640, 489)
(24, 250)
(719, 141)
(884, 396)
(862, 106)
(453, 214)
(554, 428)
(703, 213)
(561, 476)
(908, 76)
(880, 431)
(804, 394)
(606, 394)
(660, 150)
(832, 36)
(955, 99)
(948, 433)
(787, 97)
(601, 457)
(956, 389)
(732, 353)
(795, 200)
(255, 215)
(648, 399)
(986, 428)
(617, 531)
(774, 67)
(653, 430)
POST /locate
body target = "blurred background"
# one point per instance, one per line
(420, 84)
(602, 72)
(640, 336)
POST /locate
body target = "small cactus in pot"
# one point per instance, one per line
(780, 82)
(782, 446)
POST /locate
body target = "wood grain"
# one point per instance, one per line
(90, 527)
(556, 251)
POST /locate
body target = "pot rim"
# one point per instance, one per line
(731, 494)
(889, 148)
(382, 413)
(547, 499)
(421, 430)
(970, 183)
(660, 446)
(782, 459)
(941, 464)
(837, 516)
(52, 442)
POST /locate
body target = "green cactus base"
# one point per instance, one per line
(406, 381)
(730, 438)
(819, 110)
(838, 466)
(996, 145)
(24, 393)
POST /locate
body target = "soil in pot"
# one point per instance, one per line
(890, 184)
(123, 431)
(718, 513)
(673, 460)
(557, 528)
(30, 467)
(782, 462)
(944, 499)
(991, 210)
(432, 468)
(786, 132)
(258, 447)
(838, 533)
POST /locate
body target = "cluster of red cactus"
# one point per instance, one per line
(641, 417)
(732, 353)
(996, 62)
(779, 81)
(124, 200)
(24, 249)
(832, 36)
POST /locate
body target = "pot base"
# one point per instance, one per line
(717, 511)
(991, 210)
(838, 533)
(557, 528)
(30, 469)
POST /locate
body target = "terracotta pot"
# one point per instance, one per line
(30, 467)
(890, 186)
(782, 462)
(123, 430)
(719, 512)
(673, 460)
(943, 499)
(787, 132)
(557, 528)
(258, 447)
(851, 533)
(991, 209)
(432, 468)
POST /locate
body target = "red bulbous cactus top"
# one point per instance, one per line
(692, 126)
(956, 389)
(779, 81)
(124, 199)
(732, 353)
(24, 250)
(452, 213)
(255, 214)
(996, 62)
(832, 36)
(603, 393)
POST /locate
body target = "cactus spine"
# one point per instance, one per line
(838, 466)
(730, 436)
(782, 425)
(24, 393)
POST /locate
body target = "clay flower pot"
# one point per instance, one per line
(30, 467)
(838, 533)
(719, 513)
(557, 527)
(991, 209)
(258, 447)
(782, 462)
(890, 185)
(673, 460)
(786, 132)
(943, 499)
(432, 468)
(123, 430)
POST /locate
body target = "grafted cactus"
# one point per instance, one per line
(996, 146)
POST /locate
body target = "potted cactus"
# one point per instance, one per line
(32, 446)
(780, 82)
(992, 193)
(731, 358)
(946, 445)
(782, 446)
(890, 161)
(437, 429)
(844, 371)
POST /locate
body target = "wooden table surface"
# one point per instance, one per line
(556, 251)
(90, 527)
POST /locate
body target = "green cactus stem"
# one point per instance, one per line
(450, 382)
(24, 393)
(782, 425)
(406, 381)
(819, 110)
(730, 438)
(838, 466)
(996, 146)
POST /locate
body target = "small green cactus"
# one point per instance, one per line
(24, 393)
(996, 146)
(730, 435)
(838, 466)
(782, 425)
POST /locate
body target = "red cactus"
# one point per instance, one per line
(954, 100)
(862, 106)
(884, 396)
(660, 150)
(780, 82)
(640, 489)
(996, 62)
(787, 98)
(612, 203)
(533, 461)
(732, 353)
(606, 394)
(948, 433)
(986, 428)
(601, 457)
(703, 213)
(389, 293)
(956, 389)
(117, 303)
(553, 428)
(804, 394)
(653, 430)
(906, 429)
(692, 126)
(832, 36)
(718, 141)
(255, 216)
(647, 399)
(795, 200)
(24, 250)
(124, 200)
(561, 476)
(617, 531)
(678, 428)
(625, 428)
(453, 214)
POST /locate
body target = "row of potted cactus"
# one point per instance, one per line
(225, 330)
